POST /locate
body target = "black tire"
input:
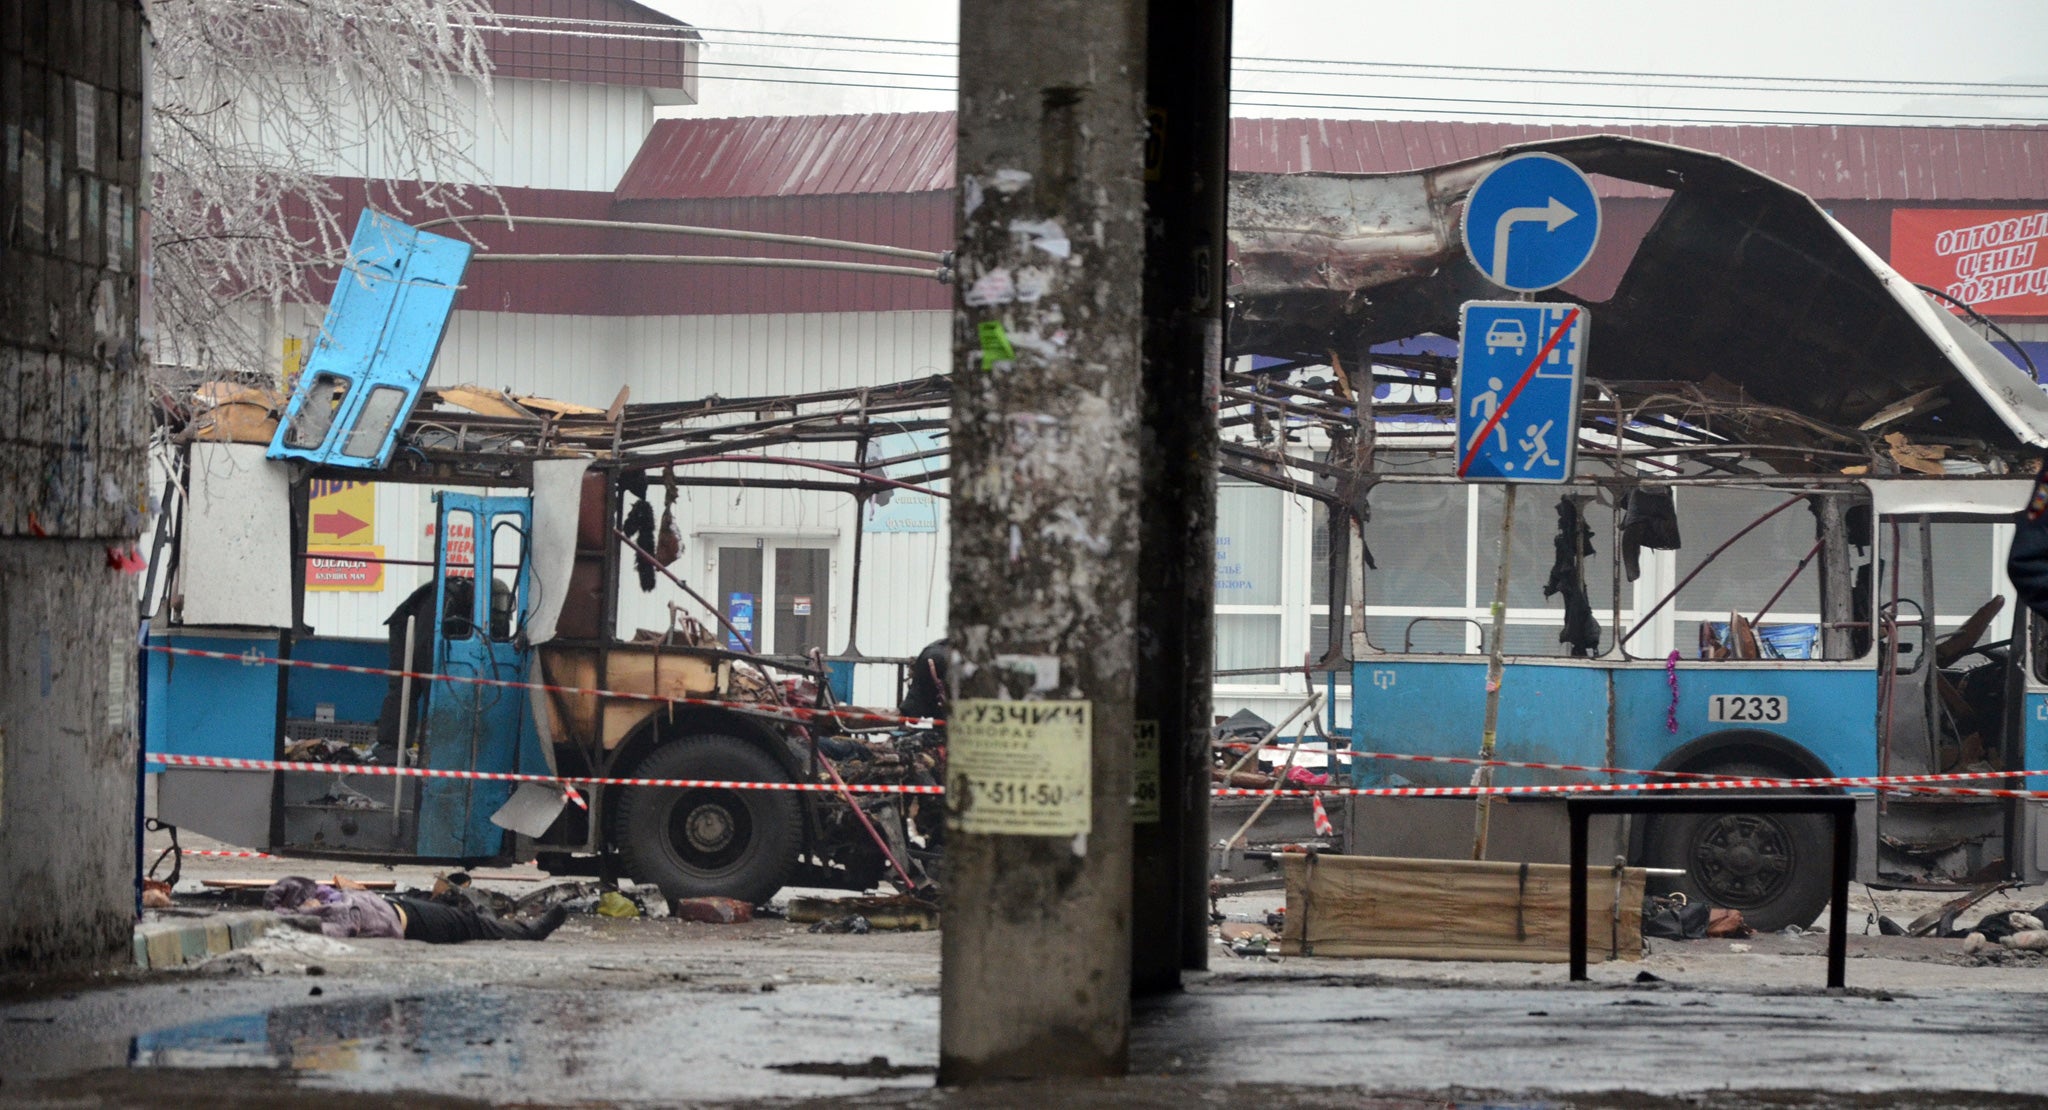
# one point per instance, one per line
(1774, 867)
(695, 841)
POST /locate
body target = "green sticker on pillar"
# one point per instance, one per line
(995, 344)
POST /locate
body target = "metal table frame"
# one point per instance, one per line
(1841, 807)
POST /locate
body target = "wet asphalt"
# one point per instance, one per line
(668, 1013)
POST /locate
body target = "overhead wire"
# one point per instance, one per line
(1647, 73)
(1446, 70)
(951, 48)
(1320, 99)
(684, 39)
(1834, 112)
(1590, 82)
(1571, 118)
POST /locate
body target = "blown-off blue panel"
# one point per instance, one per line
(376, 346)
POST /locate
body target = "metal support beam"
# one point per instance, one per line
(1046, 430)
(1186, 165)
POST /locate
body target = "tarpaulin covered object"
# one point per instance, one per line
(1432, 909)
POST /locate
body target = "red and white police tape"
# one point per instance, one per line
(566, 782)
(254, 658)
(1888, 783)
(1468, 761)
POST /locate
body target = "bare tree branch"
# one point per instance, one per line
(262, 108)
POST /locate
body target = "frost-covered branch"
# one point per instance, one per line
(261, 108)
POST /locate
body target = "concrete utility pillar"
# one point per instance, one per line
(1187, 164)
(73, 430)
(1045, 456)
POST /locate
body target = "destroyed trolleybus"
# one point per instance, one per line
(512, 657)
(1781, 555)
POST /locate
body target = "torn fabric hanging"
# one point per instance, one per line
(1573, 544)
(1651, 520)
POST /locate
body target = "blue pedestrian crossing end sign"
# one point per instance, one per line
(1519, 368)
(1531, 222)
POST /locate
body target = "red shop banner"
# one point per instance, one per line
(1993, 259)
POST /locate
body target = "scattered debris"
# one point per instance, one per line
(892, 912)
(625, 900)
(876, 1067)
(851, 923)
(713, 910)
(1248, 939)
(1941, 921)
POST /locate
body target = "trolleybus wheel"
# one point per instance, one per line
(696, 841)
(1773, 867)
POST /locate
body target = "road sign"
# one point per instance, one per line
(1519, 368)
(1531, 222)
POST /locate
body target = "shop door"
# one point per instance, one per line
(777, 596)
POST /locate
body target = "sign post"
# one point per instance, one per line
(1530, 224)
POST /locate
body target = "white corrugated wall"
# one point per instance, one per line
(537, 135)
(559, 135)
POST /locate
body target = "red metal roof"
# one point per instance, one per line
(595, 42)
(790, 156)
(686, 159)
(1832, 162)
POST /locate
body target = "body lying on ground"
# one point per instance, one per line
(336, 912)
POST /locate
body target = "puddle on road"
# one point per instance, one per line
(341, 1036)
(559, 1046)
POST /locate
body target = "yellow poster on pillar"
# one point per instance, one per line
(1019, 767)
